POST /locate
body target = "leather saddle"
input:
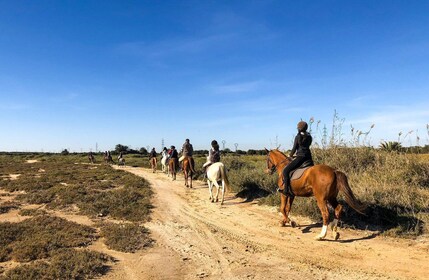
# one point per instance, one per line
(297, 173)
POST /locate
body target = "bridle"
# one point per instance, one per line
(274, 166)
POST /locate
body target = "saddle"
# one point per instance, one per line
(297, 173)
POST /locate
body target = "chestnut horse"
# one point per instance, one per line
(188, 170)
(172, 164)
(320, 181)
(153, 162)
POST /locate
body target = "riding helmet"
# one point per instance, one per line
(302, 126)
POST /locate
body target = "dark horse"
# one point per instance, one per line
(108, 159)
(188, 170)
(320, 181)
(91, 158)
(172, 164)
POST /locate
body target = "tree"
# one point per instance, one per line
(143, 151)
(121, 148)
(65, 152)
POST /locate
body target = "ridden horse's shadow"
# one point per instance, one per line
(308, 228)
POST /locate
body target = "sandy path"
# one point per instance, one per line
(198, 239)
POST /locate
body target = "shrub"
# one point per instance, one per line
(127, 237)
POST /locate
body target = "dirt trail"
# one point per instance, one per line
(197, 239)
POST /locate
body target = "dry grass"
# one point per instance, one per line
(125, 237)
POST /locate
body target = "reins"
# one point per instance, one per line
(274, 166)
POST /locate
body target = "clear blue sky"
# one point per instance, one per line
(76, 73)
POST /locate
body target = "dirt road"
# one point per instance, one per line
(196, 239)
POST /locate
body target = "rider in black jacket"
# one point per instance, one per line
(301, 146)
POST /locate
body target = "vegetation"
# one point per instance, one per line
(50, 247)
(125, 237)
(63, 264)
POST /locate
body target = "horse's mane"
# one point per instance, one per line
(279, 152)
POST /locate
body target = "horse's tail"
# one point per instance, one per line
(224, 177)
(343, 185)
(192, 165)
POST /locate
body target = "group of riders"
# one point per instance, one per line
(187, 151)
(299, 155)
(300, 149)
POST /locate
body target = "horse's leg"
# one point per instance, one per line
(223, 192)
(323, 206)
(210, 190)
(217, 190)
(283, 200)
(288, 207)
(337, 214)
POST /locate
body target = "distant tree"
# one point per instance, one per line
(143, 151)
(65, 152)
(121, 148)
(251, 152)
(226, 150)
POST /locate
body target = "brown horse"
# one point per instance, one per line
(172, 164)
(153, 163)
(188, 170)
(320, 181)
(91, 158)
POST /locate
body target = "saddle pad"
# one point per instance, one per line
(297, 173)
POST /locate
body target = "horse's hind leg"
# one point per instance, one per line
(325, 216)
(210, 190)
(223, 192)
(338, 208)
(217, 190)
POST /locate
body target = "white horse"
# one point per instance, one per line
(164, 165)
(121, 161)
(215, 173)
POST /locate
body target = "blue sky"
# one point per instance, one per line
(76, 73)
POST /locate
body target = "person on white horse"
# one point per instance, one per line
(187, 150)
(164, 156)
(214, 155)
(121, 160)
(216, 172)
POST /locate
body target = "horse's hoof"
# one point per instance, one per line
(293, 224)
(318, 238)
(282, 224)
(336, 235)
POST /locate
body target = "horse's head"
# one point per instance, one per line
(275, 158)
(271, 167)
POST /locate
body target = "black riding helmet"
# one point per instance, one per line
(302, 126)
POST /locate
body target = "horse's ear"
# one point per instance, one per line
(278, 147)
(266, 150)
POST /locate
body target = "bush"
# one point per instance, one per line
(125, 237)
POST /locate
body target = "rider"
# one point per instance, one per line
(301, 146)
(187, 150)
(152, 154)
(164, 152)
(173, 152)
(214, 154)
